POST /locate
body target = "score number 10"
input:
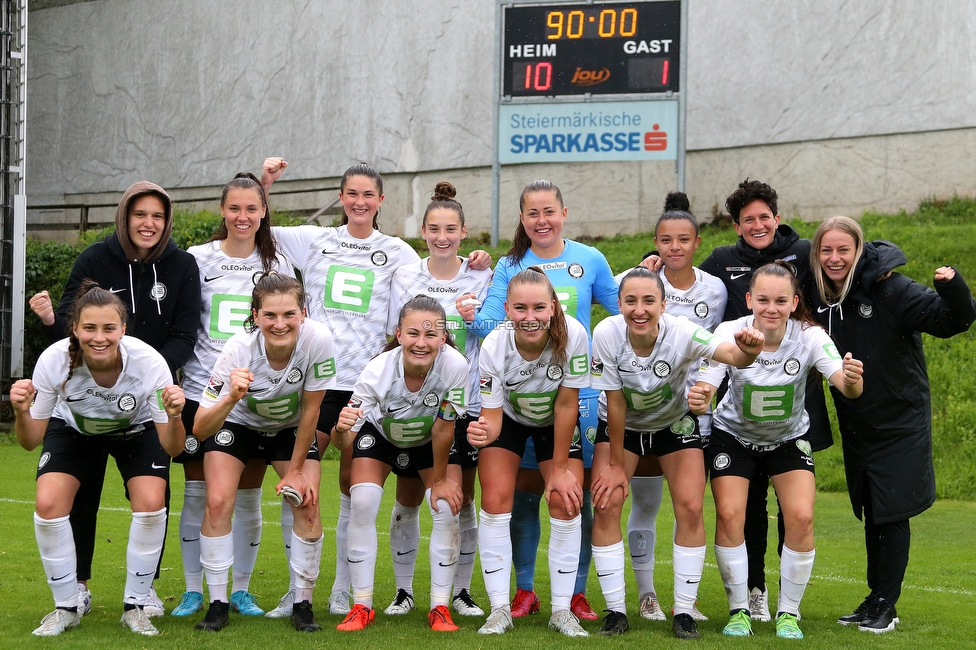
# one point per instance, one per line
(607, 27)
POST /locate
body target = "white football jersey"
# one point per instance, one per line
(348, 285)
(226, 284)
(526, 390)
(274, 399)
(404, 417)
(655, 387)
(413, 279)
(703, 304)
(764, 403)
(136, 397)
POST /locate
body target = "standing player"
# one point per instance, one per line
(532, 369)
(451, 281)
(762, 240)
(581, 276)
(641, 360)
(262, 401)
(347, 273)
(887, 441)
(701, 298)
(759, 425)
(93, 394)
(401, 417)
(241, 250)
(160, 287)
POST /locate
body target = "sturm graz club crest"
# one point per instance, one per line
(127, 403)
(158, 291)
(701, 309)
(721, 461)
(554, 373)
(402, 460)
(378, 258)
(575, 270)
(661, 369)
(430, 400)
(366, 441)
(224, 437)
(866, 311)
(191, 445)
(42, 461)
(294, 376)
(791, 366)
(257, 276)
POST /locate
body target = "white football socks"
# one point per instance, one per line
(247, 536)
(146, 533)
(495, 550)
(57, 549)
(361, 541)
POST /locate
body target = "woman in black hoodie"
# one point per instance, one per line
(160, 287)
(887, 433)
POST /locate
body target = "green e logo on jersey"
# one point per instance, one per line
(568, 299)
(455, 325)
(456, 396)
(702, 336)
(767, 403)
(579, 365)
(538, 407)
(279, 408)
(639, 401)
(96, 426)
(831, 351)
(324, 369)
(227, 314)
(348, 289)
(407, 432)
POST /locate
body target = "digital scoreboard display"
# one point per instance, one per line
(603, 49)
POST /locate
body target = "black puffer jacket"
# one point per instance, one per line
(887, 431)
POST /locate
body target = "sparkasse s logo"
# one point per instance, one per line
(655, 139)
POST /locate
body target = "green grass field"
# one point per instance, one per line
(936, 605)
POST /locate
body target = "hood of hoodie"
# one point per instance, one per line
(879, 257)
(135, 191)
(784, 238)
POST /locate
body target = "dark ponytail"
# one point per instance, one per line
(90, 294)
(421, 302)
(362, 169)
(264, 241)
(521, 242)
(676, 207)
(270, 284)
(783, 269)
(558, 330)
(443, 197)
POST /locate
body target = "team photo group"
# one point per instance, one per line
(267, 344)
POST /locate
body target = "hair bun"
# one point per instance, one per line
(677, 201)
(444, 191)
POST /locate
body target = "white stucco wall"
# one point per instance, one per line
(825, 99)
